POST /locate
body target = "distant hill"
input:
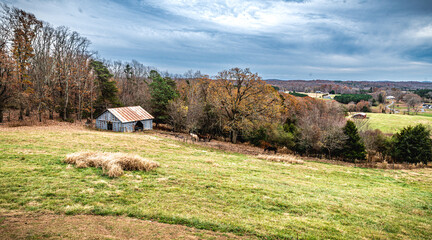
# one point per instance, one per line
(347, 86)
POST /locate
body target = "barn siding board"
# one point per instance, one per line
(148, 124)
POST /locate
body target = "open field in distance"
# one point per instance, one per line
(392, 123)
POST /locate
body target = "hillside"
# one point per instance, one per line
(210, 189)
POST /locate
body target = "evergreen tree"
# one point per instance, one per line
(162, 90)
(354, 147)
(413, 145)
(380, 98)
(107, 88)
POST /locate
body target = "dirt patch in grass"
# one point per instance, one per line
(30, 225)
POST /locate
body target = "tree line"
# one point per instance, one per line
(43, 68)
(51, 70)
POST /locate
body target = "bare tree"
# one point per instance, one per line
(412, 100)
(42, 69)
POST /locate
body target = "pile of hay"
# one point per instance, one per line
(281, 158)
(113, 164)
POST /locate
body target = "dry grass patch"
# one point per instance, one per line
(112, 164)
(281, 158)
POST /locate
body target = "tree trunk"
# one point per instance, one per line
(21, 114)
(51, 114)
(65, 113)
(234, 137)
(1, 115)
(39, 112)
(27, 113)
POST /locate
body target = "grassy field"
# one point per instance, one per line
(391, 123)
(210, 189)
(426, 114)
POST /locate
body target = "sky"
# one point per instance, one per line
(279, 39)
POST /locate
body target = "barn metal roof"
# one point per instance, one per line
(130, 114)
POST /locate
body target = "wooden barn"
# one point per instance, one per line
(125, 119)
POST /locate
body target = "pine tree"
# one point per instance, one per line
(107, 88)
(354, 148)
(163, 90)
(413, 145)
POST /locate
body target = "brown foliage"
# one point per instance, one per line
(243, 99)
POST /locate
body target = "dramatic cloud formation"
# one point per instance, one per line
(311, 39)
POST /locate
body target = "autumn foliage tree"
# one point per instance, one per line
(23, 27)
(243, 99)
(6, 75)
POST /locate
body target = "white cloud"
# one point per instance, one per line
(325, 38)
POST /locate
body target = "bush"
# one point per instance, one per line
(257, 136)
(354, 147)
(376, 143)
(413, 145)
(283, 136)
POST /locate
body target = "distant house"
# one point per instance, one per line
(390, 98)
(427, 106)
(125, 119)
(359, 116)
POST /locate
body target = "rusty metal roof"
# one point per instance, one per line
(130, 114)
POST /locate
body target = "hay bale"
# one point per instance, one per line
(281, 158)
(112, 164)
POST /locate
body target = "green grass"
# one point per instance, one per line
(392, 123)
(214, 190)
(427, 114)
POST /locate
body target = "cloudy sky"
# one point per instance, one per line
(311, 39)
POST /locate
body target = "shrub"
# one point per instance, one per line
(257, 136)
(413, 145)
(354, 147)
(376, 143)
(112, 164)
(283, 136)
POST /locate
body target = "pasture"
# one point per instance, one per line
(392, 123)
(209, 189)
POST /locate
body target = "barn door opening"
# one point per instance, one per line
(109, 126)
(139, 126)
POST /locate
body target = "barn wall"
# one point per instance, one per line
(102, 121)
(148, 124)
(128, 127)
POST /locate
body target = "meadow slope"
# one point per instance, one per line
(210, 189)
(392, 123)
